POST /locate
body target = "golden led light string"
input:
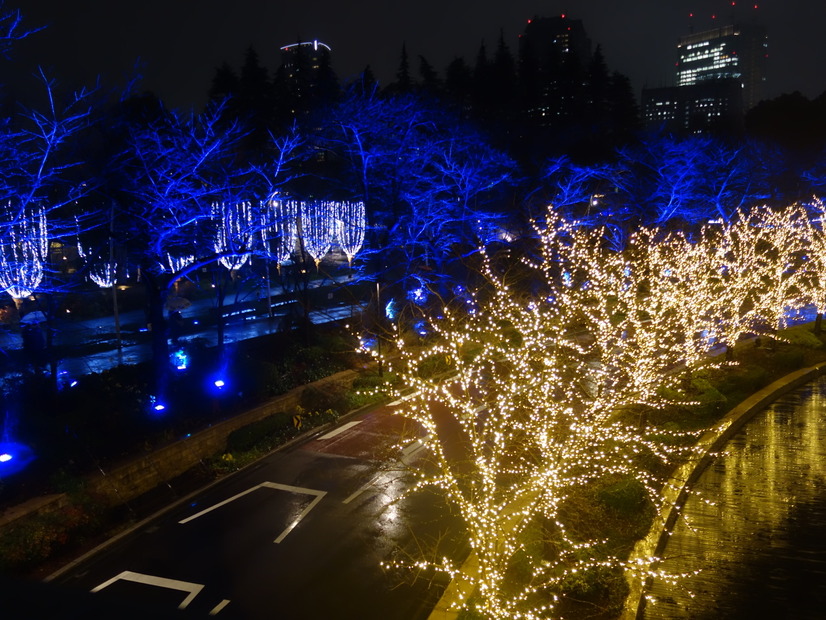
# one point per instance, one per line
(538, 382)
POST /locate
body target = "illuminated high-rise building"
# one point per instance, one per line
(306, 76)
(720, 75)
(303, 56)
(731, 52)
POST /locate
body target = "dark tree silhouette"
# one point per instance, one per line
(430, 79)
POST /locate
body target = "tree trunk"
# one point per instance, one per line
(156, 322)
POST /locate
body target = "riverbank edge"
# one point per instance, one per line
(679, 484)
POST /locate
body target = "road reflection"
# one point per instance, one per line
(757, 529)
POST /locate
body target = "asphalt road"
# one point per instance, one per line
(300, 534)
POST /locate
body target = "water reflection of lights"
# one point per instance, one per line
(772, 469)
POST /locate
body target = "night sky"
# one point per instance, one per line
(178, 43)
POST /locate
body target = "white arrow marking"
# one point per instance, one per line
(161, 582)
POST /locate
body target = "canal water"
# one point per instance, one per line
(757, 531)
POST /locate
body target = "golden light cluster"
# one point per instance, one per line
(532, 399)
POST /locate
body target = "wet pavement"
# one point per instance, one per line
(756, 530)
(300, 534)
(99, 334)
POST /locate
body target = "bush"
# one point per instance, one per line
(249, 436)
(743, 381)
(788, 361)
(331, 396)
(710, 400)
(33, 539)
(800, 336)
(626, 497)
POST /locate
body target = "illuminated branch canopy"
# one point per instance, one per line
(540, 379)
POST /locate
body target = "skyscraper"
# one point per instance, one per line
(305, 76)
(730, 52)
(303, 56)
(558, 50)
(720, 75)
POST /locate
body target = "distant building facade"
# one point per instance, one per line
(305, 75)
(301, 56)
(731, 52)
(697, 108)
(720, 75)
(552, 37)
(560, 48)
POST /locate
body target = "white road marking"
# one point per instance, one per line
(361, 490)
(338, 430)
(415, 446)
(268, 485)
(219, 607)
(161, 582)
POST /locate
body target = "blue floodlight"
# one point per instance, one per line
(14, 457)
(417, 295)
(180, 359)
(156, 405)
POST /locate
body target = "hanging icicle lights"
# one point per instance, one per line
(23, 252)
(350, 227)
(102, 272)
(235, 232)
(177, 263)
(278, 228)
(322, 224)
(317, 228)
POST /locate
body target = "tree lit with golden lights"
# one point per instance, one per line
(530, 402)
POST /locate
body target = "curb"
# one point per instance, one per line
(679, 484)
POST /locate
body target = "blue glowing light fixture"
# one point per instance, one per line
(156, 405)
(14, 457)
(180, 359)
